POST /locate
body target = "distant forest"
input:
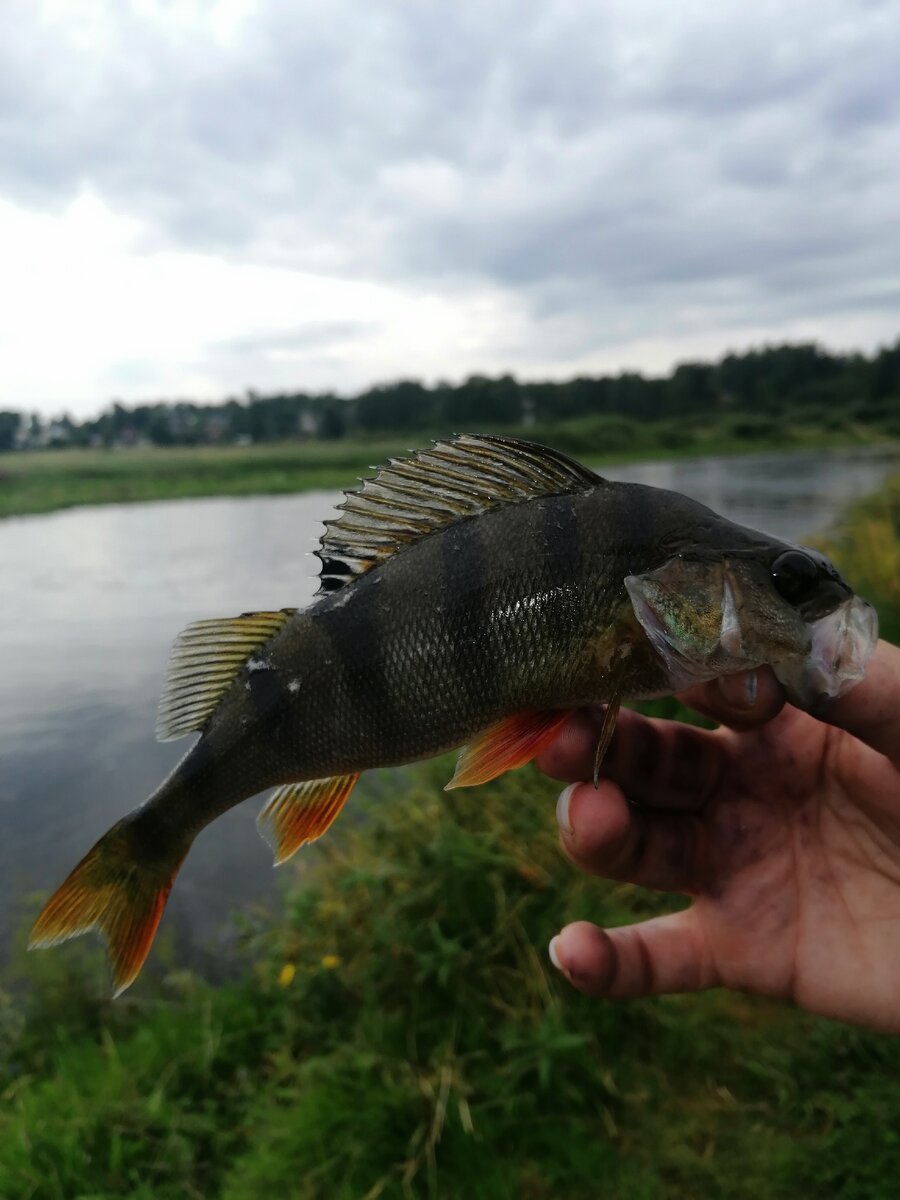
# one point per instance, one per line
(764, 385)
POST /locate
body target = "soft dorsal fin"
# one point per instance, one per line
(410, 498)
(205, 659)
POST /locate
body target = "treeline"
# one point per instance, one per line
(764, 383)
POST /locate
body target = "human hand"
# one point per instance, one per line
(784, 828)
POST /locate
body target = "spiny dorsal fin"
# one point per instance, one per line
(205, 659)
(301, 812)
(410, 498)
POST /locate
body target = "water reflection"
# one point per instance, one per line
(90, 600)
(789, 495)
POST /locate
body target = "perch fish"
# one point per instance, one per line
(473, 595)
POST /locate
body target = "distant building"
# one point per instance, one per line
(307, 423)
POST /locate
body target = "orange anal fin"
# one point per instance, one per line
(113, 892)
(301, 812)
(513, 742)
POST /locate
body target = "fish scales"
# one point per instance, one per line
(464, 619)
(467, 625)
(475, 593)
(464, 627)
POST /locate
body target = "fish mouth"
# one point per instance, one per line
(841, 646)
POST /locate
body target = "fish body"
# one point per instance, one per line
(476, 593)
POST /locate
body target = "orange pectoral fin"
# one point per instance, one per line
(301, 812)
(513, 742)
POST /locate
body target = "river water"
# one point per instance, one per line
(91, 598)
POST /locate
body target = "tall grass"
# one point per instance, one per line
(48, 480)
(866, 546)
(401, 1033)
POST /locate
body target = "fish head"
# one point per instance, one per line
(710, 613)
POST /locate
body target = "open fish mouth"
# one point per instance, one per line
(842, 644)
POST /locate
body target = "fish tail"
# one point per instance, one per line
(117, 891)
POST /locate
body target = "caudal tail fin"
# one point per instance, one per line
(113, 891)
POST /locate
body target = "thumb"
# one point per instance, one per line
(664, 954)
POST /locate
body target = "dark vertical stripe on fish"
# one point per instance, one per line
(266, 691)
(561, 538)
(474, 653)
(354, 633)
(563, 560)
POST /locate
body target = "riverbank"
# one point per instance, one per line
(42, 481)
(866, 545)
(398, 1032)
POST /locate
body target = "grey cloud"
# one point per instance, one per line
(317, 335)
(609, 162)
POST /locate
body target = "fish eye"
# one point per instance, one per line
(795, 576)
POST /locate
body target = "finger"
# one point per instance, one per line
(605, 835)
(664, 954)
(871, 710)
(661, 763)
(570, 756)
(740, 701)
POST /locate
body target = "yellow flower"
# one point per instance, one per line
(330, 962)
(286, 975)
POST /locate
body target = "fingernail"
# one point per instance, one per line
(562, 808)
(551, 950)
(740, 691)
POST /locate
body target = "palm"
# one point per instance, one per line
(787, 836)
(803, 865)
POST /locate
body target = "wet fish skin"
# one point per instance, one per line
(546, 602)
(443, 640)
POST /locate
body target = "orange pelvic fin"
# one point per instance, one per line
(113, 892)
(513, 742)
(301, 812)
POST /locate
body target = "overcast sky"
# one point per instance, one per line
(198, 197)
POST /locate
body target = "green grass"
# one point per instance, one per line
(399, 1032)
(48, 480)
(866, 546)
